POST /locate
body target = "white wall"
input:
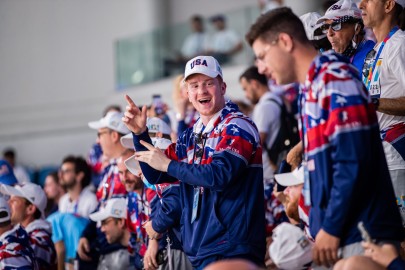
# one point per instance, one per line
(57, 67)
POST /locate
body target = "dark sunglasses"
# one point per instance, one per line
(336, 26)
(368, 61)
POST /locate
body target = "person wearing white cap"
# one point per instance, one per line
(113, 218)
(15, 248)
(384, 77)
(166, 209)
(27, 203)
(345, 30)
(290, 249)
(314, 31)
(294, 182)
(219, 165)
(339, 133)
(110, 129)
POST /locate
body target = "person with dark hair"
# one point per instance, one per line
(384, 77)
(345, 30)
(19, 171)
(75, 176)
(15, 249)
(346, 179)
(54, 191)
(267, 117)
(27, 205)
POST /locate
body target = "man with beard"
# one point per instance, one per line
(75, 175)
(27, 203)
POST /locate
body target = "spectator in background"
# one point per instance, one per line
(194, 44)
(96, 159)
(345, 30)
(15, 248)
(27, 205)
(7, 176)
(225, 42)
(54, 191)
(266, 115)
(19, 171)
(113, 218)
(213, 161)
(314, 31)
(75, 176)
(384, 77)
(345, 163)
(186, 114)
(93, 243)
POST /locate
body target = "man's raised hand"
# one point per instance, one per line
(134, 118)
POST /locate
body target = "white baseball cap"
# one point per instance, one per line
(290, 249)
(4, 211)
(116, 208)
(32, 192)
(293, 178)
(206, 65)
(310, 24)
(401, 3)
(341, 11)
(112, 120)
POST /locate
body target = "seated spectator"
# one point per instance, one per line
(19, 171)
(113, 218)
(15, 249)
(27, 205)
(7, 176)
(194, 44)
(75, 176)
(225, 42)
(54, 191)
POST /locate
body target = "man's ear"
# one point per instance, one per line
(389, 6)
(223, 88)
(30, 210)
(286, 42)
(115, 136)
(79, 177)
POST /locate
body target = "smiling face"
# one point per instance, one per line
(206, 94)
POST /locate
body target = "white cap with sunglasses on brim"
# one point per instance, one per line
(113, 121)
(342, 11)
(312, 28)
(31, 192)
(116, 208)
(206, 65)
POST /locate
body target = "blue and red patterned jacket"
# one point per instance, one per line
(349, 178)
(15, 251)
(222, 163)
(40, 233)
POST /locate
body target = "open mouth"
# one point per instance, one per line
(204, 100)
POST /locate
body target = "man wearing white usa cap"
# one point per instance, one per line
(27, 203)
(219, 165)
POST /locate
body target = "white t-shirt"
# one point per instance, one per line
(266, 115)
(224, 41)
(194, 44)
(83, 206)
(389, 82)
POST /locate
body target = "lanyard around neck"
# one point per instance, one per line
(367, 81)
